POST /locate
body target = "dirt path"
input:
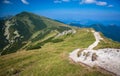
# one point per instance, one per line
(102, 57)
(98, 38)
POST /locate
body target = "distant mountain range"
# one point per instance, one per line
(110, 31)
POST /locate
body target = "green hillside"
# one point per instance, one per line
(44, 49)
(51, 60)
(20, 28)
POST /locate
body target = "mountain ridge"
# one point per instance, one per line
(44, 51)
(110, 31)
(21, 27)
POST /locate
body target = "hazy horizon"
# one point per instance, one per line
(82, 11)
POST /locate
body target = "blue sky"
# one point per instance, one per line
(83, 11)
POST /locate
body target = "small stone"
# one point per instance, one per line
(94, 57)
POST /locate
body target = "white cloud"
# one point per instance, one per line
(65, 0)
(96, 2)
(110, 6)
(57, 1)
(100, 3)
(6, 2)
(60, 1)
(25, 2)
(87, 1)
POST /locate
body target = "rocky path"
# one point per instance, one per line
(108, 58)
(98, 38)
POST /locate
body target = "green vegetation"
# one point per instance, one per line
(2, 38)
(28, 24)
(51, 60)
(107, 43)
(41, 53)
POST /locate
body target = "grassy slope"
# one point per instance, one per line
(51, 60)
(107, 43)
(27, 24)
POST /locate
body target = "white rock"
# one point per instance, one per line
(7, 33)
(108, 58)
(66, 32)
(16, 34)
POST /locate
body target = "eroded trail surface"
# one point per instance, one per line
(108, 58)
(98, 38)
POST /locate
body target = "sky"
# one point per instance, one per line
(81, 11)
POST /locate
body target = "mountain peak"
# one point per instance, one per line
(23, 26)
(25, 12)
(22, 14)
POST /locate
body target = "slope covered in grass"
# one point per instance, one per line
(51, 60)
(44, 48)
(17, 31)
(107, 43)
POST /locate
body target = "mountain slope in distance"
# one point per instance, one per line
(110, 31)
